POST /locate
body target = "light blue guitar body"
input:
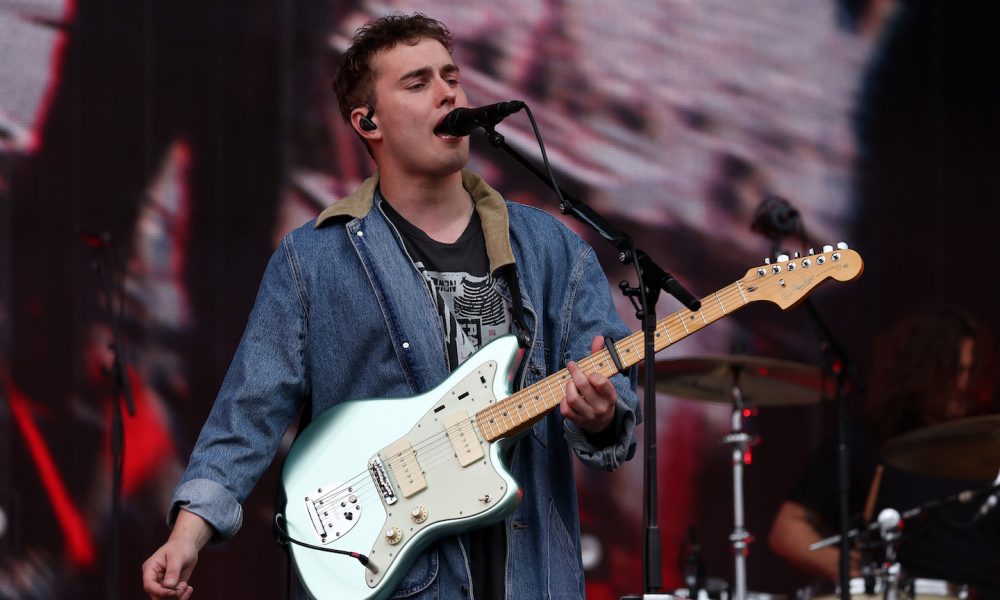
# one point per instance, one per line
(384, 478)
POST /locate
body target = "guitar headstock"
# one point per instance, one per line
(788, 280)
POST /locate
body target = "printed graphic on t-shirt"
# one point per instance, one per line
(472, 313)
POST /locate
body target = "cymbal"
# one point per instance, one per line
(961, 449)
(763, 381)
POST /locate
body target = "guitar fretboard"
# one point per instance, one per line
(527, 406)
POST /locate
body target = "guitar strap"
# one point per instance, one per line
(509, 273)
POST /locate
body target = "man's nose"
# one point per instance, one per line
(448, 93)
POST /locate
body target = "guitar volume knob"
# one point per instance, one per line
(393, 535)
(419, 514)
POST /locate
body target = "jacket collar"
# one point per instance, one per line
(488, 202)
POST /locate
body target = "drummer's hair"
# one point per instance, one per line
(915, 368)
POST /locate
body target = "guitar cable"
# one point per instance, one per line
(284, 537)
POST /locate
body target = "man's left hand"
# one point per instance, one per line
(590, 400)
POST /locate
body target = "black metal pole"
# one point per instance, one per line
(121, 392)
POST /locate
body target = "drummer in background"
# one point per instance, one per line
(930, 369)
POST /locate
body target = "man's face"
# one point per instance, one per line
(415, 87)
(959, 403)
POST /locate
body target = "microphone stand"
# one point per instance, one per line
(774, 219)
(652, 279)
(837, 362)
(104, 265)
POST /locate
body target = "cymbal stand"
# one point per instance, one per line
(741, 442)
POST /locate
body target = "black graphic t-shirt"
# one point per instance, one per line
(472, 314)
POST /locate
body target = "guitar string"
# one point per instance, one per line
(432, 443)
(425, 447)
(422, 449)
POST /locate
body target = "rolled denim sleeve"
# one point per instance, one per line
(608, 457)
(263, 390)
(211, 501)
(590, 312)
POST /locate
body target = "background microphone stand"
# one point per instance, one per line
(652, 279)
(104, 264)
(775, 219)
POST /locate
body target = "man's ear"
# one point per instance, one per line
(362, 119)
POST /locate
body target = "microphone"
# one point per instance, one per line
(889, 523)
(463, 121)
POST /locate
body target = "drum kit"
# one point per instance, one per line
(962, 449)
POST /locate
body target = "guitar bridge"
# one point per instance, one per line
(381, 478)
(333, 514)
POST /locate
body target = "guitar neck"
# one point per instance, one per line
(525, 407)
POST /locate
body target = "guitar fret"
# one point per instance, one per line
(495, 419)
(683, 324)
(739, 288)
(516, 412)
(523, 406)
(631, 340)
(505, 415)
(484, 424)
(702, 313)
(489, 416)
(536, 398)
(723, 306)
(551, 396)
(611, 364)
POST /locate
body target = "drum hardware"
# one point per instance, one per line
(961, 449)
(745, 382)
(764, 381)
(909, 589)
(889, 580)
(989, 492)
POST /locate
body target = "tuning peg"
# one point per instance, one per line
(811, 252)
(841, 245)
(827, 248)
(767, 260)
(796, 254)
(782, 258)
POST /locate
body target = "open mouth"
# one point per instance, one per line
(440, 129)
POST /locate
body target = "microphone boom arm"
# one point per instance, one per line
(585, 214)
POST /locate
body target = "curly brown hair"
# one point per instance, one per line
(916, 370)
(354, 84)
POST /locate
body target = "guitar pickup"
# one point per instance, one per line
(402, 460)
(463, 438)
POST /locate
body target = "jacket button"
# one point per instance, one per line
(361, 234)
(406, 345)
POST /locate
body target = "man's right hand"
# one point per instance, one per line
(166, 574)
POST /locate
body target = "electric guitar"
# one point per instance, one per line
(374, 482)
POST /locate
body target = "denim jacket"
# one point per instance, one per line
(343, 314)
